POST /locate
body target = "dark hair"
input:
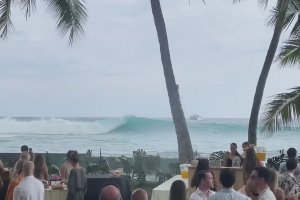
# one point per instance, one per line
(178, 190)
(39, 165)
(203, 164)
(227, 177)
(74, 157)
(246, 144)
(264, 173)
(24, 148)
(69, 154)
(291, 164)
(233, 144)
(200, 176)
(291, 153)
(250, 163)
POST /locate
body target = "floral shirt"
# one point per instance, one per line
(289, 184)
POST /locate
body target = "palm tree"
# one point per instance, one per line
(69, 14)
(183, 138)
(283, 112)
(279, 22)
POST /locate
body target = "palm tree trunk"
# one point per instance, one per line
(252, 129)
(184, 142)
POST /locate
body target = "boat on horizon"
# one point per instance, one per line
(196, 117)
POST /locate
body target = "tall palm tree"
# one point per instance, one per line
(69, 14)
(283, 112)
(282, 6)
(183, 138)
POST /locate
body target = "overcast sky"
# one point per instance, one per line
(217, 51)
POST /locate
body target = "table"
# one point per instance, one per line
(162, 192)
(56, 194)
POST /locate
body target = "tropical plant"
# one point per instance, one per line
(174, 168)
(185, 149)
(279, 19)
(70, 15)
(283, 112)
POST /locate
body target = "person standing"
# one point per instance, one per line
(29, 188)
(205, 182)
(227, 179)
(291, 153)
(259, 180)
(178, 190)
(288, 182)
(77, 182)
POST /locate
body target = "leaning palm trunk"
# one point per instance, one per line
(252, 129)
(184, 142)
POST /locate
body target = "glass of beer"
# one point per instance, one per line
(184, 170)
(261, 153)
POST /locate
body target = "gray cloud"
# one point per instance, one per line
(217, 51)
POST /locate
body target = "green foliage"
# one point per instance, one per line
(163, 176)
(282, 112)
(174, 168)
(69, 14)
(215, 156)
(53, 170)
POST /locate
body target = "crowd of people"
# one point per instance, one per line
(260, 182)
(29, 178)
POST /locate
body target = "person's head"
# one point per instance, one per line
(28, 168)
(24, 148)
(291, 164)
(39, 164)
(25, 156)
(273, 183)
(227, 178)
(18, 169)
(205, 179)
(68, 156)
(139, 194)
(203, 164)
(260, 178)
(245, 146)
(233, 148)
(74, 157)
(291, 153)
(178, 190)
(110, 192)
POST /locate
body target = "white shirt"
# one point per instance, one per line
(29, 188)
(199, 195)
(228, 194)
(266, 194)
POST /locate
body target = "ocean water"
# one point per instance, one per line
(120, 136)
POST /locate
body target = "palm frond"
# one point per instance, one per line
(283, 112)
(261, 3)
(70, 16)
(284, 13)
(289, 54)
(28, 6)
(5, 19)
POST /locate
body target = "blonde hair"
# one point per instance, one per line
(1, 173)
(18, 168)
